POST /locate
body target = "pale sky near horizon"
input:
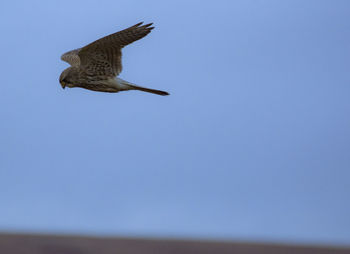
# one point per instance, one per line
(252, 144)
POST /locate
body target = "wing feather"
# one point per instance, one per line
(72, 57)
(103, 57)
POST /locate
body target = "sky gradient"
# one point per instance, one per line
(253, 143)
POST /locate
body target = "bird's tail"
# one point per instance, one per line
(131, 86)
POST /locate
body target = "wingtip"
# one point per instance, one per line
(147, 27)
(138, 24)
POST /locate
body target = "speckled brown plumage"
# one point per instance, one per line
(97, 65)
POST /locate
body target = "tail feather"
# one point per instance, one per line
(130, 86)
(149, 90)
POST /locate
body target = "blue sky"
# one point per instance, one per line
(253, 143)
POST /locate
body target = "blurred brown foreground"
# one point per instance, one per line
(54, 244)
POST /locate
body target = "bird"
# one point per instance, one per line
(97, 65)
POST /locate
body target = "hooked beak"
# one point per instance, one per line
(63, 84)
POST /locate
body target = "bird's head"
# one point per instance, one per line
(67, 77)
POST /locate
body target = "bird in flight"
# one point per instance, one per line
(97, 66)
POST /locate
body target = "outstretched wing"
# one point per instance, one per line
(72, 57)
(103, 57)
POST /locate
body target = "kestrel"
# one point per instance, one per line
(97, 65)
